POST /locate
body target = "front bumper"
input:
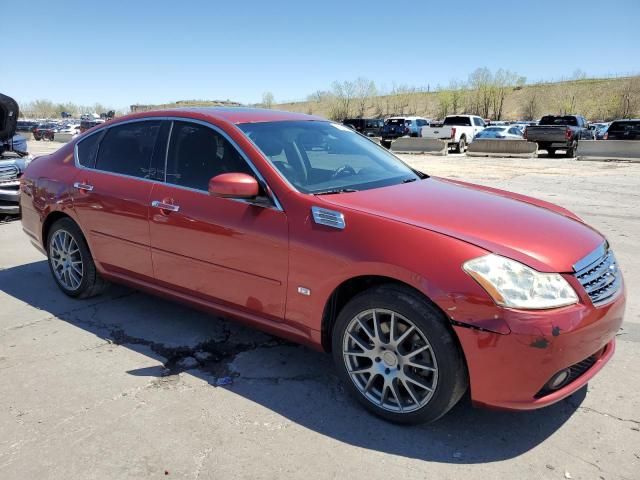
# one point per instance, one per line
(510, 371)
(10, 197)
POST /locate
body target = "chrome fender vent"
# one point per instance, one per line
(329, 218)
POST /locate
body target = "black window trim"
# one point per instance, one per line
(275, 203)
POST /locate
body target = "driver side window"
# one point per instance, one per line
(197, 153)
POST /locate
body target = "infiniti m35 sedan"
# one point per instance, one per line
(422, 288)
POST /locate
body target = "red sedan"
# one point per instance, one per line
(421, 287)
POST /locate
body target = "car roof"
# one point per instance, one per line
(233, 115)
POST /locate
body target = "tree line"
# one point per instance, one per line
(49, 109)
(484, 93)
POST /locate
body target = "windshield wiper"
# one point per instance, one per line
(409, 180)
(335, 190)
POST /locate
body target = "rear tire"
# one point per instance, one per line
(70, 261)
(571, 152)
(462, 146)
(415, 375)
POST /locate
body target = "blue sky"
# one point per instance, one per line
(141, 51)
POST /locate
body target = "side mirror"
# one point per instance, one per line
(233, 185)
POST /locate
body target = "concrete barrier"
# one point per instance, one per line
(62, 137)
(486, 147)
(419, 145)
(603, 150)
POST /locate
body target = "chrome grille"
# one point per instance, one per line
(601, 279)
(8, 172)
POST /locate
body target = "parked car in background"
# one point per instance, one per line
(457, 130)
(559, 132)
(395, 127)
(25, 125)
(507, 132)
(225, 209)
(13, 153)
(601, 131)
(86, 124)
(45, 131)
(623, 130)
(370, 127)
(70, 128)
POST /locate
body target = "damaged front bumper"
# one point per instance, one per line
(513, 371)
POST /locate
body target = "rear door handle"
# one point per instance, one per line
(165, 206)
(83, 186)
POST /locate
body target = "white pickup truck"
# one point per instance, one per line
(459, 130)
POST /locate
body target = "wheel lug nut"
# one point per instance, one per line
(377, 359)
(398, 367)
(386, 370)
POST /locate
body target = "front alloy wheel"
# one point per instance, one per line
(398, 356)
(390, 361)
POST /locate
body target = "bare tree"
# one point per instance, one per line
(457, 90)
(364, 91)
(445, 102)
(267, 100)
(531, 104)
(504, 81)
(343, 100)
(481, 82)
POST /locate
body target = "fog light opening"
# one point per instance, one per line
(559, 379)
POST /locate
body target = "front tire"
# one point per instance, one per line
(70, 261)
(397, 356)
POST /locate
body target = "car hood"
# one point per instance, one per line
(547, 238)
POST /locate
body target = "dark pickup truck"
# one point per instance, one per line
(559, 133)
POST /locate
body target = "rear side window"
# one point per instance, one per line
(88, 148)
(567, 120)
(127, 149)
(460, 121)
(197, 153)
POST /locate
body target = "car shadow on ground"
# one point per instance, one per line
(295, 382)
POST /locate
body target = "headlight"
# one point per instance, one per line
(514, 285)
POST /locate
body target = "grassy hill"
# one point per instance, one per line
(596, 99)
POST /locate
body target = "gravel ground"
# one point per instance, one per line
(127, 385)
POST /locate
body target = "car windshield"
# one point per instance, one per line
(324, 157)
(394, 121)
(461, 121)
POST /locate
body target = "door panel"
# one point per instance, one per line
(114, 215)
(220, 249)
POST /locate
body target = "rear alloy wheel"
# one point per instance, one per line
(462, 146)
(70, 261)
(396, 355)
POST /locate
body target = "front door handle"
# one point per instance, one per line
(169, 207)
(83, 186)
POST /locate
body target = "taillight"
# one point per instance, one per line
(568, 133)
(606, 136)
(453, 133)
(406, 129)
(524, 134)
